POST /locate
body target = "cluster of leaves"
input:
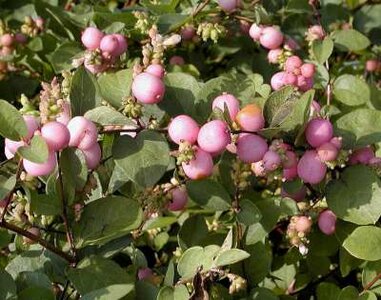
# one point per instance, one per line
(93, 244)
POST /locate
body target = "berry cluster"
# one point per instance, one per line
(148, 87)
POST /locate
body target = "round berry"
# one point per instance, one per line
(310, 168)
(214, 136)
(187, 33)
(147, 88)
(371, 65)
(290, 79)
(201, 166)
(337, 142)
(292, 63)
(290, 159)
(13, 146)
(231, 103)
(176, 60)
(122, 44)
(251, 147)
(278, 80)
(271, 38)
(8, 154)
(361, 156)
(327, 152)
(179, 199)
(183, 129)
(271, 160)
(56, 135)
(304, 83)
(83, 133)
(91, 38)
(46, 168)
(250, 118)
(144, 273)
(307, 70)
(7, 40)
(274, 55)
(303, 224)
(327, 222)
(109, 44)
(318, 132)
(228, 5)
(156, 70)
(32, 124)
(290, 173)
(255, 32)
(93, 156)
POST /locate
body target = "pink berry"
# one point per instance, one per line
(290, 173)
(46, 168)
(231, 103)
(318, 132)
(271, 38)
(273, 56)
(327, 222)
(303, 224)
(176, 60)
(315, 32)
(308, 70)
(7, 40)
(179, 198)
(251, 147)
(13, 146)
(83, 133)
(187, 33)
(201, 166)
(371, 65)
(250, 118)
(214, 136)
(292, 63)
(144, 273)
(297, 196)
(337, 142)
(361, 156)
(91, 38)
(278, 80)
(56, 135)
(156, 70)
(271, 160)
(183, 128)
(93, 156)
(291, 44)
(327, 152)
(314, 108)
(8, 154)
(305, 83)
(310, 168)
(255, 32)
(258, 169)
(32, 124)
(39, 22)
(122, 44)
(147, 88)
(6, 51)
(290, 79)
(375, 161)
(110, 44)
(290, 159)
(21, 38)
(228, 5)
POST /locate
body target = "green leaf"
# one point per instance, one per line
(349, 293)
(230, 256)
(36, 152)
(61, 59)
(367, 20)
(106, 219)
(105, 115)
(327, 291)
(169, 22)
(276, 101)
(5, 238)
(159, 222)
(350, 40)
(43, 204)
(351, 90)
(84, 94)
(364, 243)
(7, 286)
(322, 50)
(258, 265)
(12, 125)
(115, 86)
(370, 271)
(359, 128)
(368, 295)
(260, 293)
(179, 292)
(144, 159)
(111, 292)
(356, 196)
(7, 183)
(209, 193)
(36, 293)
(193, 231)
(347, 262)
(94, 273)
(249, 213)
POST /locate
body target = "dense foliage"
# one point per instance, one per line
(173, 149)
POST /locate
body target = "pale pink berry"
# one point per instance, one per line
(255, 31)
(95, 68)
(274, 55)
(187, 33)
(318, 132)
(7, 40)
(299, 195)
(156, 70)
(21, 38)
(46, 168)
(327, 152)
(39, 22)
(304, 83)
(250, 118)
(32, 124)
(6, 51)
(201, 166)
(229, 101)
(110, 44)
(8, 154)
(93, 156)
(371, 65)
(56, 135)
(179, 199)
(258, 169)
(315, 32)
(91, 38)
(361, 156)
(290, 79)
(327, 222)
(337, 142)
(271, 160)
(228, 5)
(214, 136)
(13, 146)
(122, 44)
(292, 63)
(310, 168)
(271, 38)
(308, 70)
(290, 173)
(144, 273)
(303, 224)
(147, 88)
(290, 159)
(176, 60)
(83, 133)
(278, 80)
(251, 147)
(183, 129)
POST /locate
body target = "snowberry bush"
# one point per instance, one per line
(224, 149)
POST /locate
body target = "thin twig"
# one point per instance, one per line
(200, 8)
(370, 284)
